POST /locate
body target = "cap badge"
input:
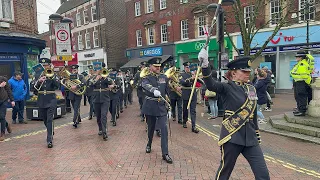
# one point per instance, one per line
(43, 60)
(249, 63)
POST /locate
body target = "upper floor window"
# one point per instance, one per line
(150, 32)
(80, 45)
(88, 41)
(307, 10)
(78, 19)
(184, 29)
(163, 4)
(6, 11)
(164, 33)
(94, 13)
(202, 26)
(150, 6)
(85, 17)
(139, 37)
(183, 1)
(248, 14)
(95, 37)
(137, 8)
(275, 13)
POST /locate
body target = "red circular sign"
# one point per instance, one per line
(62, 35)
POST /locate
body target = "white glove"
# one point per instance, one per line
(156, 93)
(203, 57)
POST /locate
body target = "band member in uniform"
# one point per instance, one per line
(76, 99)
(121, 91)
(239, 131)
(156, 85)
(67, 92)
(101, 100)
(140, 94)
(47, 101)
(176, 101)
(128, 90)
(89, 91)
(114, 97)
(186, 80)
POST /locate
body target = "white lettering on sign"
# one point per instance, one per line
(63, 41)
(151, 52)
(199, 46)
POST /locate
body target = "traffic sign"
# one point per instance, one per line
(63, 42)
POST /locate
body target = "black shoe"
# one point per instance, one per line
(167, 158)
(159, 133)
(75, 125)
(300, 114)
(79, 120)
(195, 130)
(14, 122)
(173, 119)
(179, 122)
(105, 137)
(142, 119)
(90, 117)
(23, 122)
(118, 115)
(148, 149)
(50, 145)
(121, 111)
(125, 107)
(100, 133)
(184, 125)
(114, 123)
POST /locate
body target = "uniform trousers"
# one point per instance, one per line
(120, 104)
(253, 154)
(301, 95)
(47, 116)
(192, 108)
(76, 110)
(101, 111)
(90, 100)
(3, 111)
(176, 103)
(125, 98)
(130, 97)
(162, 122)
(113, 109)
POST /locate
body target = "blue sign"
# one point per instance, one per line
(292, 64)
(9, 58)
(264, 64)
(97, 66)
(266, 50)
(151, 52)
(298, 47)
(316, 71)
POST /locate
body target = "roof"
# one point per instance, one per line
(70, 5)
(18, 34)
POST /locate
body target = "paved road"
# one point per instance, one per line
(81, 153)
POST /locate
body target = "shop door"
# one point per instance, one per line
(6, 69)
(272, 58)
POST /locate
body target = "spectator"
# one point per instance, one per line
(261, 89)
(269, 81)
(19, 91)
(213, 99)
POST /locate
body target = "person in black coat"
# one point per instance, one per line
(261, 86)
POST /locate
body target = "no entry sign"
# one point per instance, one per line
(63, 41)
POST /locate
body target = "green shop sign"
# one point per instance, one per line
(196, 46)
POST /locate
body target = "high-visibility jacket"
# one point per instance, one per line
(301, 72)
(310, 60)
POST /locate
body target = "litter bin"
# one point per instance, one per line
(33, 112)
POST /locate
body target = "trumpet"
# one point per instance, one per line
(103, 73)
(48, 73)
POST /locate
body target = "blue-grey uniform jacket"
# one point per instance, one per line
(46, 94)
(73, 96)
(100, 90)
(137, 82)
(155, 106)
(89, 90)
(234, 96)
(187, 82)
(114, 93)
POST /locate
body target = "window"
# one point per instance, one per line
(163, 4)
(275, 13)
(94, 13)
(139, 37)
(95, 37)
(151, 35)
(307, 10)
(85, 17)
(183, 1)
(80, 45)
(88, 42)
(201, 25)
(149, 6)
(248, 14)
(137, 8)
(6, 11)
(164, 33)
(78, 18)
(184, 29)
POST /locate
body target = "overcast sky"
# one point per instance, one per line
(45, 8)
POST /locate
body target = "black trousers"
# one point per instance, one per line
(68, 105)
(113, 109)
(141, 103)
(76, 110)
(301, 95)
(176, 103)
(101, 111)
(192, 108)
(253, 154)
(47, 117)
(3, 112)
(160, 121)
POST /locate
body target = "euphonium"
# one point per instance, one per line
(68, 83)
(173, 76)
(144, 72)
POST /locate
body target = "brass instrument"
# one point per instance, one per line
(173, 76)
(103, 73)
(68, 83)
(132, 83)
(144, 72)
(48, 73)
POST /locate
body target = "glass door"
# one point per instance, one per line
(6, 69)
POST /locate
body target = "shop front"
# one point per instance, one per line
(188, 52)
(19, 52)
(280, 53)
(86, 58)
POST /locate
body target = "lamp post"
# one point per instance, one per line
(307, 16)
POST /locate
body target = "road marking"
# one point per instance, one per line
(266, 157)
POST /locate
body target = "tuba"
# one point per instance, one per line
(68, 83)
(144, 72)
(173, 76)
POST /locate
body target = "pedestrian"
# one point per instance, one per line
(155, 85)
(269, 81)
(19, 91)
(5, 94)
(213, 99)
(261, 86)
(239, 130)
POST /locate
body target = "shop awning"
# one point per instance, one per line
(136, 62)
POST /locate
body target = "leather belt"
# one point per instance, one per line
(153, 99)
(101, 90)
(46, 92)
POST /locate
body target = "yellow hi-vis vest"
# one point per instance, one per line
(310, 60)
(301, 72)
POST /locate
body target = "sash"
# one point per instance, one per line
(240, 117)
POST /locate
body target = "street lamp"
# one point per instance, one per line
(66, 20)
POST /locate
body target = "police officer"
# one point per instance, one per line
(301, 74)
(101, 100)
(114, 97)
(186, 80)
(140, 94)
(239, 131)
(156, 85)
(47, 101)
(89, 91)
(74, 98)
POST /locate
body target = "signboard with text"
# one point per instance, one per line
(157, 51)
(63, 41)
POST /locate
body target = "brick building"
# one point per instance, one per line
(19, 42)
(96, 36)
